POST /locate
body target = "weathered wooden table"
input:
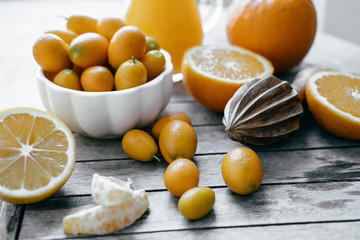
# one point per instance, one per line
(311, 184)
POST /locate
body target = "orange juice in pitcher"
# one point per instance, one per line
(175, 24)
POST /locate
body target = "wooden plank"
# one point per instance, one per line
(198, 114)
(329, 231)
(279, 167)
(212, 139)
(277, 201)
(270, 205)
(10, 220)
(180, 95)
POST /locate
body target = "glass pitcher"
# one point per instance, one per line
(175, 24)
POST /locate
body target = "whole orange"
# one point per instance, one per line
(177, 140)
(242, 170)
(280, 30)
(180, 176)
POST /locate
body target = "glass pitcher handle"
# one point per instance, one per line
(214, 14)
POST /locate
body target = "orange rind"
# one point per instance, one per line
(333, 98)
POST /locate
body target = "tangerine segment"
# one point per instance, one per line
(334, 100)
(37, 155)
(101, 219)
(109, 191)
(212, 74)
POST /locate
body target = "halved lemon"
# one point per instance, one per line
(212, 74)
(37, 155)
(334, 100)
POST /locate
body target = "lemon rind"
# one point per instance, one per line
(22, 194)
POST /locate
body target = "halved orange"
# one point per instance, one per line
(334, 100)
(212, 74)
(37, 155)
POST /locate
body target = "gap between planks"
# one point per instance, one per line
(120, 234)
(325, 181)
(271, 206)
(223, 153)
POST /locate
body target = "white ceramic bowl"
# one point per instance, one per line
(108, 114)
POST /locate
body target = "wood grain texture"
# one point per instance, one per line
(213, 139)
(311, 184)
(10, 214)
(271, 204)
(279, 167)
(310, 231)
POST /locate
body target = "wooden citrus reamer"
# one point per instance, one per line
(265, 111)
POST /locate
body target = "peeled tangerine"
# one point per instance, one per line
(118, 207)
